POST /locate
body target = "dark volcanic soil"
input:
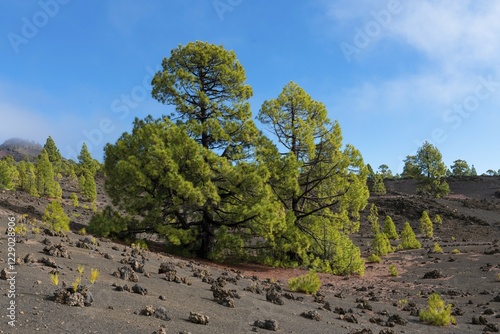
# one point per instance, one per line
(464, 275)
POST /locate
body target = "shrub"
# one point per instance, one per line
(373, 219)
(408, 238)
(94, 274)
(437, 248)
(455, 251)
(437, 312)
(55, 217)
(438, 220)
(393, 271)
(74, 200)
(308, 283)
(381, 245)
(426, 227)
(498, 276)
(21, 230)
(374, 258)
(390, 228)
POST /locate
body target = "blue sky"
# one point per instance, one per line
(393, 73)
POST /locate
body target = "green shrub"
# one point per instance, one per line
(374, 258)
(140, 244)
(308, 283)
(437, 312)
(381, 245)
(455, 251)
(426, 227)
(55, 217)
(21, 230)
(437, 248)
(373, 219)
(74, 200)
(408, 238)
(390, 228)
(438, 220)
(393, 271)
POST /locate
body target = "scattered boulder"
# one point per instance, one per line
(198, 318)
(397, 319)
(127, 274)
(169, 270)
(387, 331)
(57, 250)
(271, 325)
(493, 328)
(224, 297)
(313, 315)
(479, 320)
(81, 297)
(497, 298)
(349, 318)
(363, 331)
(434, 274)
(139, 290)
(3, 274)
(159, 313)
(254, 287)
(29, 258)
(49, 262)
(162, 330)
(274, 296)
(87, 243)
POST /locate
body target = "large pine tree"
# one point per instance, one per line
(321, 185)
(46, 184)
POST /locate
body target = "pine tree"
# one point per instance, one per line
(373, 219)
(319, 184)
(45, 176)
(378, 187)
(55, 156)
(9, 175)
(426, 227)
(86, 162)
(381, 245)
(390, 228)
(27, 176)
(408, 238)
(87, 186)
(55, 217)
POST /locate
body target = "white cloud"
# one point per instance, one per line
(20, 122)
(459, 35)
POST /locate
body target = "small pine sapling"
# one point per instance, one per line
(373, 219)
(390, 228)
(381, 245)
(426, 227)
(308, 283)
(393, 271)
(437, 312)
(374, 258)
(408, 238)
(437, 248)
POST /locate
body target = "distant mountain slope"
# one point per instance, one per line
(20, 149)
